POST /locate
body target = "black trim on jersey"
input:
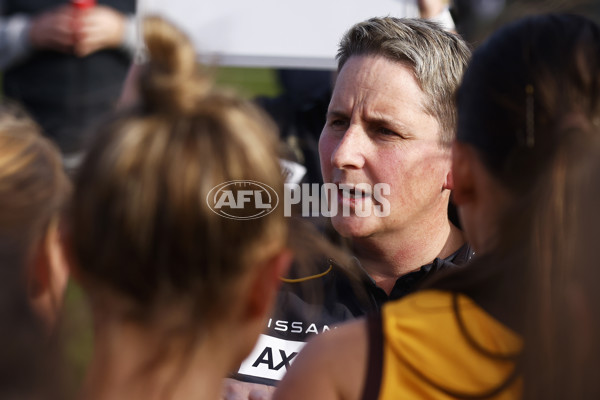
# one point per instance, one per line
(334, 295)
(410, 282)
(374, 357)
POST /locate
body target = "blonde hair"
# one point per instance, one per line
(141, 224)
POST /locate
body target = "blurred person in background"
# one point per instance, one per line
(477, 19)
(521, 320)
(65, 64)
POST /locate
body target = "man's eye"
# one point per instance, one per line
(338, 123)
(386, 132)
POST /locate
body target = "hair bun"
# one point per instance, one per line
(172, 80)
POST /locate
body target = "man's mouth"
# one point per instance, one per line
(353, 192)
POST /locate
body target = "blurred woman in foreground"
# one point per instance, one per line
(179, 293)
(34, 191)
(521, 321)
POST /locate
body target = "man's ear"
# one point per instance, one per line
(449, 182)
(265, 284)
(48, 276)
(462, 177)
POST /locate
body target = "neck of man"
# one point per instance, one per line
(130, 362)
(386, 257)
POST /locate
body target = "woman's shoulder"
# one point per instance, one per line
(331, 366)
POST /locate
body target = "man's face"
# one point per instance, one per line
(377, 131)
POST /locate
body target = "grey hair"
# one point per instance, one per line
(437, 58)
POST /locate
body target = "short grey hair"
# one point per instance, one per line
(437, 58)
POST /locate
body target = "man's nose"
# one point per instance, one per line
(350, 151)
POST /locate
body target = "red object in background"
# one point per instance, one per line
(83, 4)
(79, 7)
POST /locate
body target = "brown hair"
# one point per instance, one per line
(34, 188)
(437, 58)
(142, 228)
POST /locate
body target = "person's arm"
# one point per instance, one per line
(100, 27)
(438, 11)
(14, 40)
(14, 44)
(129, 41)
(21, 34)
(332, 366)
(430, 8)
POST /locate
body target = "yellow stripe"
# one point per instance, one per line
(308, 278)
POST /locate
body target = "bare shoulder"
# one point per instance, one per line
(331, 366)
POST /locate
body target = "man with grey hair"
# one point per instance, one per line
(391, 120)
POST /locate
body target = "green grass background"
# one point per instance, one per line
(249, 82)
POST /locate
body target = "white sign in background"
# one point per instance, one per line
(272, 33)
